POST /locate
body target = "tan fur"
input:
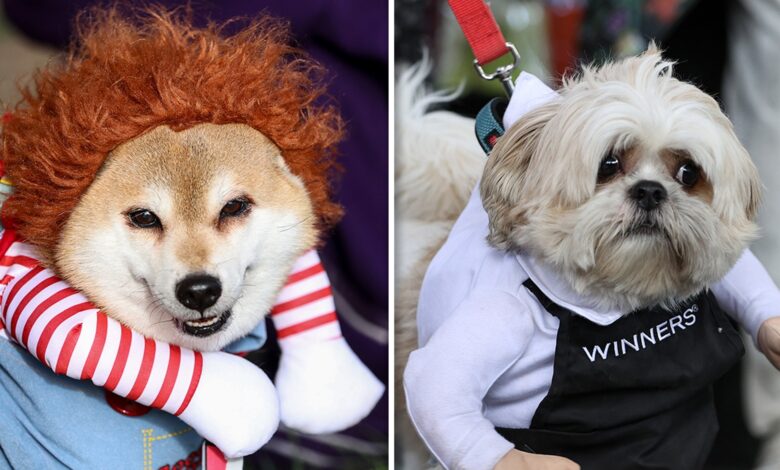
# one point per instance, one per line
(185, 178)
(511, 158)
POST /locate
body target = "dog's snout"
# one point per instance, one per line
(648, 194)
(198, 291)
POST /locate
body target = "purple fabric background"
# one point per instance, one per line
(350, 38)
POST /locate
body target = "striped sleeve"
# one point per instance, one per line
(304, 311)
(68, 334)
(71, 336)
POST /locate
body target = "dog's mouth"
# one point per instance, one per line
(645, 230)
(203, 327)
(644, 227)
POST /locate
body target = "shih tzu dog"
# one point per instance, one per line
(632, 186)
(578, 312)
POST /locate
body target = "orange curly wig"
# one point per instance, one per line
(129, 73)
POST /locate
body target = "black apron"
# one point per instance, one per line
(636, 394)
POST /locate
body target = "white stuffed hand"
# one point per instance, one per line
(234, 406)
(323, 387)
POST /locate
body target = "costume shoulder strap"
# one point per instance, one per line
(548, 304)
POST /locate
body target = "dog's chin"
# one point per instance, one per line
(629, 265)
(640, 268)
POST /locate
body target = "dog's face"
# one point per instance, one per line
(188, 236)
(632, 185)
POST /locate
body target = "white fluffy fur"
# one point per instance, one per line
(437, 158)
(541, 193)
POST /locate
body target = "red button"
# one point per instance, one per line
(124, 406)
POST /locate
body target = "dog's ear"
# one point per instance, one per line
(504, 185)
(746, 196)
(754, 190)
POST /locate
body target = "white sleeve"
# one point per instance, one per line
(446, 380)
(748, 294)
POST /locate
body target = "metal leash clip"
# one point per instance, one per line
(504, 72)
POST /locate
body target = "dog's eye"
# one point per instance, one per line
(144, 218)
(234, 208)
(609, 167)
(687, 174)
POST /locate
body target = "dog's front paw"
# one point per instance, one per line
(323, 387)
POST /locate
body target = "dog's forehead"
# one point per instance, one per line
(210, 144)
(189, 158)
(198, 169)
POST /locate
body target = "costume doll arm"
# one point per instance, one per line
(323, 387)
(748, 294)
(447, 379)
(226, 399)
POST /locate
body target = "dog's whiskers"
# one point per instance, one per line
(284, 228)
(162, 321)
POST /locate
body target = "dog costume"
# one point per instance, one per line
(195, 77)
(208, 391)
(511, 357)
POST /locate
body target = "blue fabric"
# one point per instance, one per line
(251, 342)
(51, 421)
(488, 125)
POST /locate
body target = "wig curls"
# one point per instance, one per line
(127, 74)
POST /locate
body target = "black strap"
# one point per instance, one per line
(548, 304)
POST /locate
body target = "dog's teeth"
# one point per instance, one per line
(203, 322)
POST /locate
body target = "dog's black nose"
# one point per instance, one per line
(648, 194)
(198, 291)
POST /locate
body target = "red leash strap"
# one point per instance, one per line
(486, 41)
(480, 28)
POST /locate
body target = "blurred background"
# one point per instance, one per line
(554, 36)
(730, 49)
(350, 39)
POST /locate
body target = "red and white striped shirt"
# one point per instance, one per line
(71, 336)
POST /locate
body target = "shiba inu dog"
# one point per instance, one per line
(188, 236)
(171, 184)
(178, 189)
